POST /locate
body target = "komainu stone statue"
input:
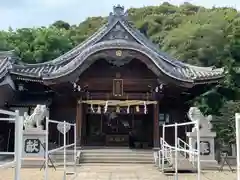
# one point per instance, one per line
(205, 125)
(36, 118)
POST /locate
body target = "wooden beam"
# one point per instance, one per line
(106, 84)
(156, 126)
(79, 121)
(126, 96)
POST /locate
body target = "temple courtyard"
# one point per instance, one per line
(114, 172)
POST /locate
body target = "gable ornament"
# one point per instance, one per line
(119, 53)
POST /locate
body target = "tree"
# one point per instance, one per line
(61, 24)
(224, 124)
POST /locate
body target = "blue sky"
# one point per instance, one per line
(30, 13)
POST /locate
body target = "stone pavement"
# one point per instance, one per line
(142, 172)
(114, 172)
(119, 172)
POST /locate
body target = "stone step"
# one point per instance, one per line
(109, 151)
(118, 151)
(117, 156)
(99, 154)
(112, 161)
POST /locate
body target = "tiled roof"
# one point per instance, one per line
(34, 71)
(197, 74)
(5, 63)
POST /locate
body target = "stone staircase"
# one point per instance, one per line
(116, 156)
(106, 155)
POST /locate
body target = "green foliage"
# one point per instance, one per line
(61, 24)
(41, 44)
(224, 124)
(210, 102)
(35, 45)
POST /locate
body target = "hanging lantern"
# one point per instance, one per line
(137, 108)
(99, 110)
(118, 109)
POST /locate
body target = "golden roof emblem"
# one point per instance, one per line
(118, 53)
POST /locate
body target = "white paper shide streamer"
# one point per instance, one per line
(145, 107)
(106, 107)
(92, 108)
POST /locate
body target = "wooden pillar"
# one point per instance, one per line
(156, 126)
(79, 122)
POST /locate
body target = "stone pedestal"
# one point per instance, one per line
(33, 148)
(207, 150)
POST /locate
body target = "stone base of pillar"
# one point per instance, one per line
(207, 148)
(33, 148)
(33, 162)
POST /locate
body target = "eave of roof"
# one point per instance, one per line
(5, 65)
(185, 74)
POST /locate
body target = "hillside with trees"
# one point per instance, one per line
(193, 34)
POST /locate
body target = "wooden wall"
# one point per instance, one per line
(136, 77)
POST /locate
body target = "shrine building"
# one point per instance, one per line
(117, 86)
